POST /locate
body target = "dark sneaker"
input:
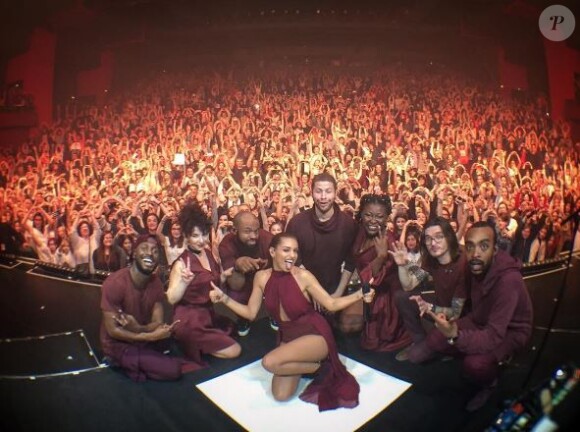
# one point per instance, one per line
(243, 327)
(481, 397)
(274, 324)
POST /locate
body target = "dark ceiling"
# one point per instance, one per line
(108, 20)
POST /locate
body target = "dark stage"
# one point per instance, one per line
(99, 398)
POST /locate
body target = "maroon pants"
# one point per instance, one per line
(479, 368)
(142, 363)
(409, 313)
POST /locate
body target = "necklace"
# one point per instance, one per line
(197, 252)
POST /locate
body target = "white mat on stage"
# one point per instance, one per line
(245, 395)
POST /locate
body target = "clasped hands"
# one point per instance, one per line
(129, 323)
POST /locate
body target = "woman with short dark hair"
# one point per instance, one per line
(200, 329)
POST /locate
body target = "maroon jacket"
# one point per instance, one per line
(501, 317)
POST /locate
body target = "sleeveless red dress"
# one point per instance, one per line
(201, 330)
(333, 386)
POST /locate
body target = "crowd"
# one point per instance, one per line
(433, 143)
(395, 180)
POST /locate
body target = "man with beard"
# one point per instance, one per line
(499, 323)
(246, 250)
(132, 328)
(325, 235)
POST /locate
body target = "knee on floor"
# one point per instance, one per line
(270, 363)
(282, 395)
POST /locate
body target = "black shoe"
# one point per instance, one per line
(243, 327)
(274, 324)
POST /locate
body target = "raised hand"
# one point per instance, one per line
(381, 243)
(399, 253)
(186, 274)
(226, 274)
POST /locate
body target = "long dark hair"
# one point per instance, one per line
(81, 223)
(414, 232)
(172, 241)
(99, 260)
(449, 234)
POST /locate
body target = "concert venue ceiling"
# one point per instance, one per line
(110, 23)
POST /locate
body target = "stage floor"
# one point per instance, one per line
(104, 399)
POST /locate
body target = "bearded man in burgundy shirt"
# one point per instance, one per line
(246, 250)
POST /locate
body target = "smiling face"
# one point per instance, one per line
(175, 231)
(152, 222)
(284, 254)
(108, 239)
(147, 256)
(127, 246)
(374, 218)
(247, 229)
(84, 229)
(198, 240)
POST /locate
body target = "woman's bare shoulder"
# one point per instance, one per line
(263, 275)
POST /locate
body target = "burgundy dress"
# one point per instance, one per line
(333, 386)
(385, 331)
(201, 330)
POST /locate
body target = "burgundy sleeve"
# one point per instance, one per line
(461, 288)
(351, 227)
(489, 337)
(111, 297)
(227, 252)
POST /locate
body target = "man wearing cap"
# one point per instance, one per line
(132, 327)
